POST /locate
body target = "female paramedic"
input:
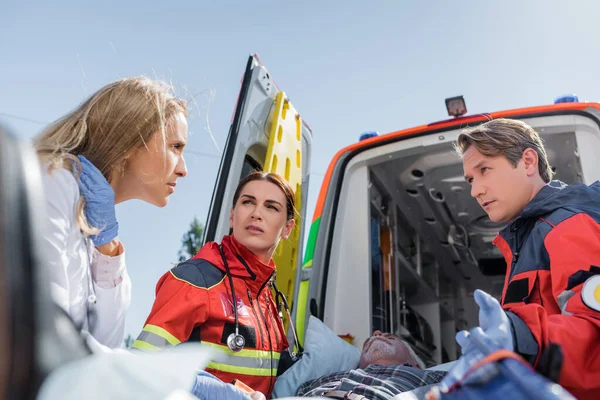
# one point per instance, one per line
(125, 142)
(222, 295)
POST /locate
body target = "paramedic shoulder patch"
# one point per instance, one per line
(590, 294)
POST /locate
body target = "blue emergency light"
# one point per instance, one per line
(367, 135)
(568, 98)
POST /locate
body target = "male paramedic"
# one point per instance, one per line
(551, 244)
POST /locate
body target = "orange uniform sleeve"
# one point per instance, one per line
(179, 307)
(573, 248)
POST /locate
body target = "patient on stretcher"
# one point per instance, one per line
(387, 367)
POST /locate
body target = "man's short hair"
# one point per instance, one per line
(508, 138)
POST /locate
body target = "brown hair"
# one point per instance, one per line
(122, 116)
(508, 138)
(275, 179)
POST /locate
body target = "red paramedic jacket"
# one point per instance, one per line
(194, 303)
(552, 285)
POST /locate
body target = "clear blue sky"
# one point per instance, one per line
(348, 67)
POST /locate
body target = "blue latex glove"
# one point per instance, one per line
(492, 320)
(99, 202)
(475, 345)
(208, 386)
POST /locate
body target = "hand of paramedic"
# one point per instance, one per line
(471, 355)
(494, 326)
(99, 205)
(492, 320)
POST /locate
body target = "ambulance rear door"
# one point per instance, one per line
(267, 133)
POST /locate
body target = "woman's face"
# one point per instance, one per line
(151, 172)
(259, 218)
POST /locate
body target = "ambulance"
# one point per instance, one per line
(396, 241)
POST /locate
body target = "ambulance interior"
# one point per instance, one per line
(429, 242)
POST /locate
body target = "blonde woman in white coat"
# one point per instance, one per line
(125, 142)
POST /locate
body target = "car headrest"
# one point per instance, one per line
(39, 336)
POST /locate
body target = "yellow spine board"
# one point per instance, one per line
(284, 157)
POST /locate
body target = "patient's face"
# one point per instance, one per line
(385, 349)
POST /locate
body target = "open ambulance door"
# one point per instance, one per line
(398, 244)
(266, 133)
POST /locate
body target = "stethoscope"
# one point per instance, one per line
(91, 298)
(236, 341)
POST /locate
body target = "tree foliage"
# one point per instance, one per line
(191, 240)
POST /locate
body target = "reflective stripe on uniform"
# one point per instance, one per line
(154, 337)
(242, 370)
(247, 362)
(140, 345)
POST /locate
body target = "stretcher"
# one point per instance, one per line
(492, 373)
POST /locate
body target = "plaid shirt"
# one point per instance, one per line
(377, 382)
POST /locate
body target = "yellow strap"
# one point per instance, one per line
(157, 330)
(301, 313)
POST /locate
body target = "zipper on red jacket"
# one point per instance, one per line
(273, 320)
(272, 381)
(515, 254)
(258, 323)
(263, 285)
(517, 249)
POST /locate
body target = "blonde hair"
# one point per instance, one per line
(120, 117)
(508, 138)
